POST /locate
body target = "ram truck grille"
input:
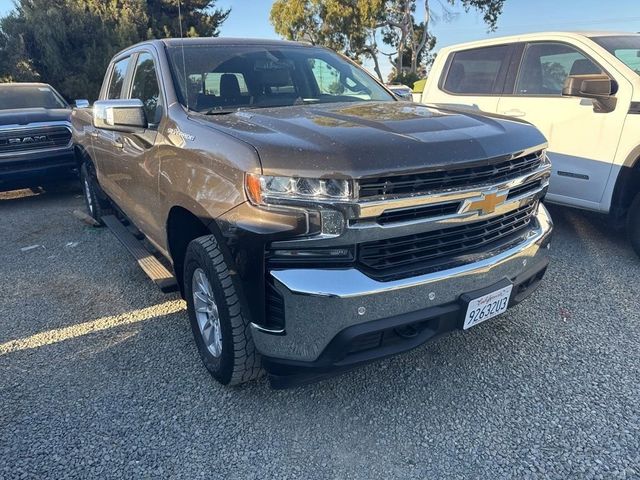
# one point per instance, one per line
(449, 179)
(33, 139)
(444, 248)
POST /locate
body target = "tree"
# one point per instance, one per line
(416, 53)
(405, 34)
(353, 26)
(199, 18)
(348, 26)
(68, 43)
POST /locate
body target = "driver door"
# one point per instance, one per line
(136, 152)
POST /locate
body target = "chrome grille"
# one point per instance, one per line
(454, 178)
(438, 249)
(31, 139)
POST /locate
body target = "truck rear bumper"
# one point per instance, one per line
(339, 318)
(36, 169)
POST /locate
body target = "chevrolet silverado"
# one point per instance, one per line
(311, 221)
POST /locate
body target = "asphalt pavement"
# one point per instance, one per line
(100, 378)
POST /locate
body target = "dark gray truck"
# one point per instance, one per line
(311, 221)
(35, 136)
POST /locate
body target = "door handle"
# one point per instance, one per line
(118, 143)
(514, 112)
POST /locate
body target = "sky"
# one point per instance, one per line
(250, 18)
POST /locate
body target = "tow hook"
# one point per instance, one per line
(407, 331)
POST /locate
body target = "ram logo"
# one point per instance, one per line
(26, 140)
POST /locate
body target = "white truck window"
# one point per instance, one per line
(476, 71)
(625, 47)
(546, 66)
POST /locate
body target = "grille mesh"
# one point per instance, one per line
(458, 178)
(430, 251)
(34, 139)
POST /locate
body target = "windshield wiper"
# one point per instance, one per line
(228, 111)
(222, 111)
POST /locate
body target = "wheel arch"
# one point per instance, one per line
(82, 155)
(183, 225)
(627, 186)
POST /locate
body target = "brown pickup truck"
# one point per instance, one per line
(311, 221)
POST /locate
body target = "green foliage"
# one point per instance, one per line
(68, 43)
(554, 74)
(406, 78)
(347, 26)
(353, 26)
(490, 10)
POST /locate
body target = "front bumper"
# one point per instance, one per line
(331, 313)
(37, 168)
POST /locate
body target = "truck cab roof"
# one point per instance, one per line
(528, 37)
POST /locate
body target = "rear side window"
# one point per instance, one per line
(476, 71)
(145, 87)
(546, 66)
(117, 79)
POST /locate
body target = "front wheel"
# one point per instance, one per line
(96, 206)
(220, 329)
(633, 224)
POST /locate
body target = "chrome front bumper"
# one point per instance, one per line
(319, 304)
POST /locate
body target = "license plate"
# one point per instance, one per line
(487, 306)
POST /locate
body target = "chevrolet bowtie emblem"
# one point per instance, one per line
(487, 204)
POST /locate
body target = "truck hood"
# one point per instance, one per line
(33, 115)
(371, 138)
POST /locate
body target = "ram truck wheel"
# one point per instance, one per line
(96, 206)
(633, 224)
(220, 328)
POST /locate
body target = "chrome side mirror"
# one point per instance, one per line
(82, 103)
(119, 115)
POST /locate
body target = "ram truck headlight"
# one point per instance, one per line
(266, 189)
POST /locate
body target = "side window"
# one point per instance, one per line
(118, 75)
(546, 66)
(327, 78)
(332, 82)
(145, 87)
(476, 72)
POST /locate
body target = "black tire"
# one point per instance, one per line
(238, 361)
(633, 224)
(97, 206)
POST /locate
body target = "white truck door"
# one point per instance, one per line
(582, 142)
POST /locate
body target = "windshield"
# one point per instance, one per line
(225, 78)
(624, 47)
(17, 96)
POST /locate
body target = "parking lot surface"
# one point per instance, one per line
(100, 378)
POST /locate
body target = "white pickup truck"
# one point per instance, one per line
(582, 91)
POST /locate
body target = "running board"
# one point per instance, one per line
(154, 269)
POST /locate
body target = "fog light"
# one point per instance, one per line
(332, 222)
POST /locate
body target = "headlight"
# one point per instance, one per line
(263, 188)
